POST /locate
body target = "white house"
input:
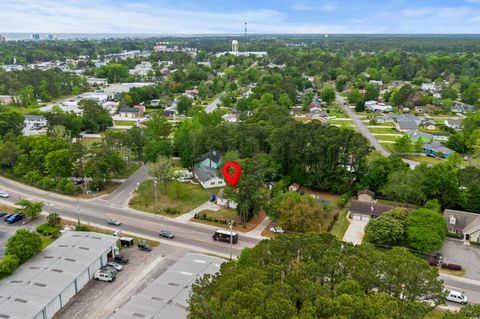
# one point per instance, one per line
(374, 106)
(455, 124)
(208, 177)
(97, 81)
(35, 121)
(225, 202)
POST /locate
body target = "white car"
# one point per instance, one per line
(277, 230)
(104, 276)
(4, 194)
(456, 296)
(115, 265)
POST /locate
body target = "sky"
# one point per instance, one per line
(229, 16)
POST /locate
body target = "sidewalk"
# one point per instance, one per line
(257, 232)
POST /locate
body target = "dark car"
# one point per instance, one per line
(7, 216)
(14, 218)
(2, 214)
(438, 257)
(121, 259)
(144, 246)
(166, 234)
(432, 262)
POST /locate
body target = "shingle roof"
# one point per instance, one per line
(368, 208)
(407, 125)
(129, 110)
(205, 174)
(437, 147)
(366, 191)
(462, 219)
(213, 155)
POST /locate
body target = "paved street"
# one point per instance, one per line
(213, 106)
(365, 132)
(123, 193)
(197, 237)
(467, 256)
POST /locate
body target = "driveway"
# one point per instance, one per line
(468, 256)
(355, 231)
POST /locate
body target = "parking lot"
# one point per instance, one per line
(7, 230)
(99, 299)
(467, 256)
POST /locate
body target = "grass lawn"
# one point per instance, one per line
(109, 187)
(341, 122)
(231, 214)
(89, 141)
(341, 224)
(181, 196)
(459, 273)
(387, 138)
(125, 123)
(6, 208)
(423, 159)
(338, 114)
(435, 314)
(381, 124)
(383, 130)
(131, 168)
(388, 147)
(46, 240)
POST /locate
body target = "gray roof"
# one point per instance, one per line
(213, 155)
(34, 117)
(205, 174)
(407, 125)
(368, 208)
(463, 220)
(454, 122)
(129, 110)
(167, 296)
(37, 282)
(437, 147)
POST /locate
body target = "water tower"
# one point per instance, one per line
(234, 46)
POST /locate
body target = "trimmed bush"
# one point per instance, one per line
(8, 265)
(451, 267)
(454, 235)
(475, 243)
(47, 230)
(82, 228)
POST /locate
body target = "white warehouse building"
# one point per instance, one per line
(43, 285)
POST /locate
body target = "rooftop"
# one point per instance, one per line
(167, 296)
(204, 174)
(368, 208)
(37, 282)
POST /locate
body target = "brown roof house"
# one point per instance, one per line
(463, 223)
(366, 207)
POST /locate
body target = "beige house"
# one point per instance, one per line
(463, 223)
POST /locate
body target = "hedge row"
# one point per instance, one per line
(204, 216)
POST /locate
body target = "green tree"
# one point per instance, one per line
(300, 213)
(8, 265)
(472, 94)
(354, 97)
(114, 72)
(403, 145)
(23, 245)
(95, 117)
(372, 92)
(59, 131)
(405, 186)
(28, 208)
(328, 94)
(160, 170)
(59, 163)
(184, 105)
(53, 219)
(385, 231)
(11, 122)
(426, 230)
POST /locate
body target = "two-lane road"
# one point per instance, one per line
(365, 132)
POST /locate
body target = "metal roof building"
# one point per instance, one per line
(166, 296)
(45, 283)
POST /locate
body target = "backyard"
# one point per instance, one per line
(179, 199)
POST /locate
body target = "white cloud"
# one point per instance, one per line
(301, 6)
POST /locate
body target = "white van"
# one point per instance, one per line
(104, 276)
(456, 296)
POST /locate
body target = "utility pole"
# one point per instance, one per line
(245, 32)
(156, 195)
(78, 212)
(231, 237)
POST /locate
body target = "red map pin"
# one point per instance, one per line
(232, 179)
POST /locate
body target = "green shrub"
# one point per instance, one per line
(475, 243)
(454, 235)
(82, 228)
(8, 265)
(47, 230)
(343, 199)
(65, 186)
(24, 245)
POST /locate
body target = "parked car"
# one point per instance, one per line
(166, 234)
(109, 268)
(8, 216)
(277, 230)
(451, 266)
(432, 261)
(438, 257)
(113, 222)
(456, 296)
(144, 246)
(104, 276)
(117, 233)
(4, 194)
(14, 218)
(115, 265)
(120, 259)
(2, 214)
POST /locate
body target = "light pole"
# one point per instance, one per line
(78, 212)
(156, 195)
(231, 237)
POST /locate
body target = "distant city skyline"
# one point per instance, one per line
(219, 17)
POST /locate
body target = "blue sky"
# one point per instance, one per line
(228, 16)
